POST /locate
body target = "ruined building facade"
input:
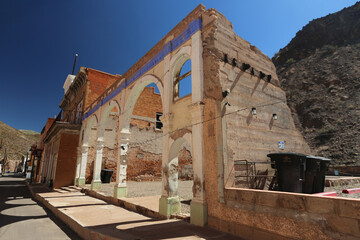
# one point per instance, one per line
(236, 111)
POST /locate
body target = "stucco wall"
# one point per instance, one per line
(232, 133)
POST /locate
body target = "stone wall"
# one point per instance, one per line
(145, 156)
(232, 132)
(255, 214)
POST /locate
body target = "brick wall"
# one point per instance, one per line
(147, 105)
(146, 166)
(66, 160)
(98, 82)
(90, 164)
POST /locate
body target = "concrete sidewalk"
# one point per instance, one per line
(93, 218)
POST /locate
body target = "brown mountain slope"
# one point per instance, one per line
(16, 142)
(320, 72)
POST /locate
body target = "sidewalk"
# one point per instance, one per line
(93, 218)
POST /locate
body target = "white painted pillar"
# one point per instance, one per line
(166, 119)
(197, 74)
(83, 163)
(198, 206)
(167, 205)
(120, 189)
(96, 182)
(78, 163)
(198, 151)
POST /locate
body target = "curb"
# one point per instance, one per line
(351, 190)
(326, 194)
(80, 230)
(124, 204)
(132, 207)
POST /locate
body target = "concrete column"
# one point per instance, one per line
(168, 87)
(78, 163)
(168, 204)
(120, 189)
(83, 163)
(49, 146)
(198, 206)
(96, 182)
(197, 74)
(45, 165)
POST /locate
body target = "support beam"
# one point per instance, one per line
(96, 182)
(168, 204)
(120, 189)
(198, 206)
(83, 163)
(78, 163)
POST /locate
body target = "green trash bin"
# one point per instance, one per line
(290, 170)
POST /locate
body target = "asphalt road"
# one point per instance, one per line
(23, 218)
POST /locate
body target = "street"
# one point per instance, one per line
(23, 218)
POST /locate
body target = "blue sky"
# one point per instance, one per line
(39, 39)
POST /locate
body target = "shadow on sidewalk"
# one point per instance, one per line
(152, 229)
(15, 198)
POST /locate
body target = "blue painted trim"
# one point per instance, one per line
(193, 27)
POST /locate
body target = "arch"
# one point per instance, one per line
(173, 163)
(93, 120)
(179, 59)
(134, 95)
(176, 63)
(105, 115)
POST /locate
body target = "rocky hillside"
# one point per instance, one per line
(16, 142)
(320, 72)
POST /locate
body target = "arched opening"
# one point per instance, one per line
(182, 81)
(181, 173)
(89, 141)
(110, 150)
(145, 142)
(141, 140)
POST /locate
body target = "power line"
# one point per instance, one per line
(207, 120)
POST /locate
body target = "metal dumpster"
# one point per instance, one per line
(291, 169)
(312, 170)
(319, 181)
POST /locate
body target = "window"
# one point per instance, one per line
(182, 83)
(158, 124)
(78, 113)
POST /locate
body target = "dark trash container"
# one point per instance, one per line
(291, 169)
(312, 170)
(319, 181)
(106, 175)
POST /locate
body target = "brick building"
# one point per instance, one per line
(61, 136)
(39, 164)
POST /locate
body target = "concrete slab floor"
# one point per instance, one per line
(99, 217)
(138, 191)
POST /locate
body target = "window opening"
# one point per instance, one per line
(182, 84)
(159, 124)
(78, 113)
